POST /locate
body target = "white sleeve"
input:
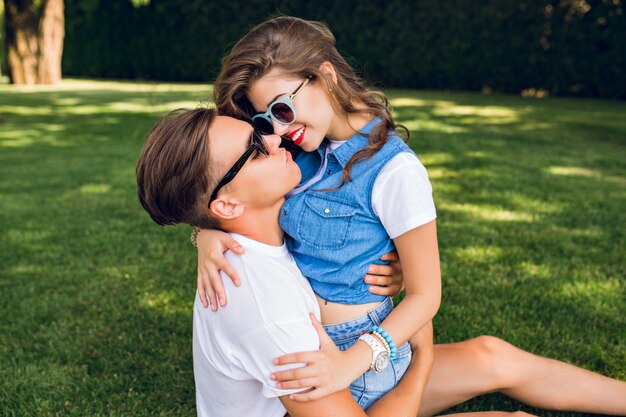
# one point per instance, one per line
(402, 195)
(257, 350)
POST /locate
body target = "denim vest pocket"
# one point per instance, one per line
(325, 221)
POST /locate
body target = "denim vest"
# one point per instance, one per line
(335, 235)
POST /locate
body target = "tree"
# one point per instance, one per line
(34, 40)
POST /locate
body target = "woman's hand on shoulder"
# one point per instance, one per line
(212, 244)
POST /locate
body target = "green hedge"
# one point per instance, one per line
(567, 47)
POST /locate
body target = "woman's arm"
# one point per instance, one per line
(419, 255)
(402, 401)
(330, 370)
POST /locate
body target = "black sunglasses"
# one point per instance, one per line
(257, 144)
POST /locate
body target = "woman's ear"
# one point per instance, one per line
(328, 70)
(225, 208)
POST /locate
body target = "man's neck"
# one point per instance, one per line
(260, 225)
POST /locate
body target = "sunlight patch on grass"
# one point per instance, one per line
(535, 270)
(433, 126)
(22, 142)
(433, 158)
(531, 126)
(477, 154)
(604, 293)
(489, 213)
(573, 171)
(590, 232)
(487, 111)
(416, 102)
(69, 84)
(440, 173)
(533, 205)
(25, 269)
(95, 188)
(164, 302)
(19, 235)
(27, 110)
(67, 101)
(479, 254)
(127, 107)
(51, 127)
(18, 133)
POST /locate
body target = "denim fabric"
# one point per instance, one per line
(370, 386)
(335, 235)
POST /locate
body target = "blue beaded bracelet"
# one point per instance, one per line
(382, 333)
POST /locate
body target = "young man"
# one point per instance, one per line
(216, 172)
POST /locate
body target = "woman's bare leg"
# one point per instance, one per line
(465, 370)
(492, 414)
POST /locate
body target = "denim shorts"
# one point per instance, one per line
(370, 386)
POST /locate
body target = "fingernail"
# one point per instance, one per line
(273, 377)
(276, 361)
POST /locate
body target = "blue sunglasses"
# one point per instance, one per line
(281, 110)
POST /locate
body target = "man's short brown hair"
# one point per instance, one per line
(173, 173)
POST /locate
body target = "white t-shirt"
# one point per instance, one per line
(402, 196)
(266, 317)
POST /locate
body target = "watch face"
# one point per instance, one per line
(381, 362)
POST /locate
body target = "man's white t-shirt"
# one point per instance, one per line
(266, 317)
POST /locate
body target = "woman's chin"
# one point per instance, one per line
(309, 146)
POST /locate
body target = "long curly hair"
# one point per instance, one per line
(298, 47)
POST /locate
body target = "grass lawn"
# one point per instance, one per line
(96, 300)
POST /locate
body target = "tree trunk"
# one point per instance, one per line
(34, 46)
(51, 33)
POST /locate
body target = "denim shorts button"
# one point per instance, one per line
(327, 210)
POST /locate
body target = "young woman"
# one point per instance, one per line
(363, 193)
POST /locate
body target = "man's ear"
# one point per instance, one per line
(328, 70)
(226, 208)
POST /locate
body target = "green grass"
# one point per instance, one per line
(96, 300)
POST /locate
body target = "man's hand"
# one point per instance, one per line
(386, 279)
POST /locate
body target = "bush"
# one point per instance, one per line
(564, 47)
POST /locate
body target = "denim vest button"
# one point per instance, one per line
(330, 171)
(284, 212)
(327, 210)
